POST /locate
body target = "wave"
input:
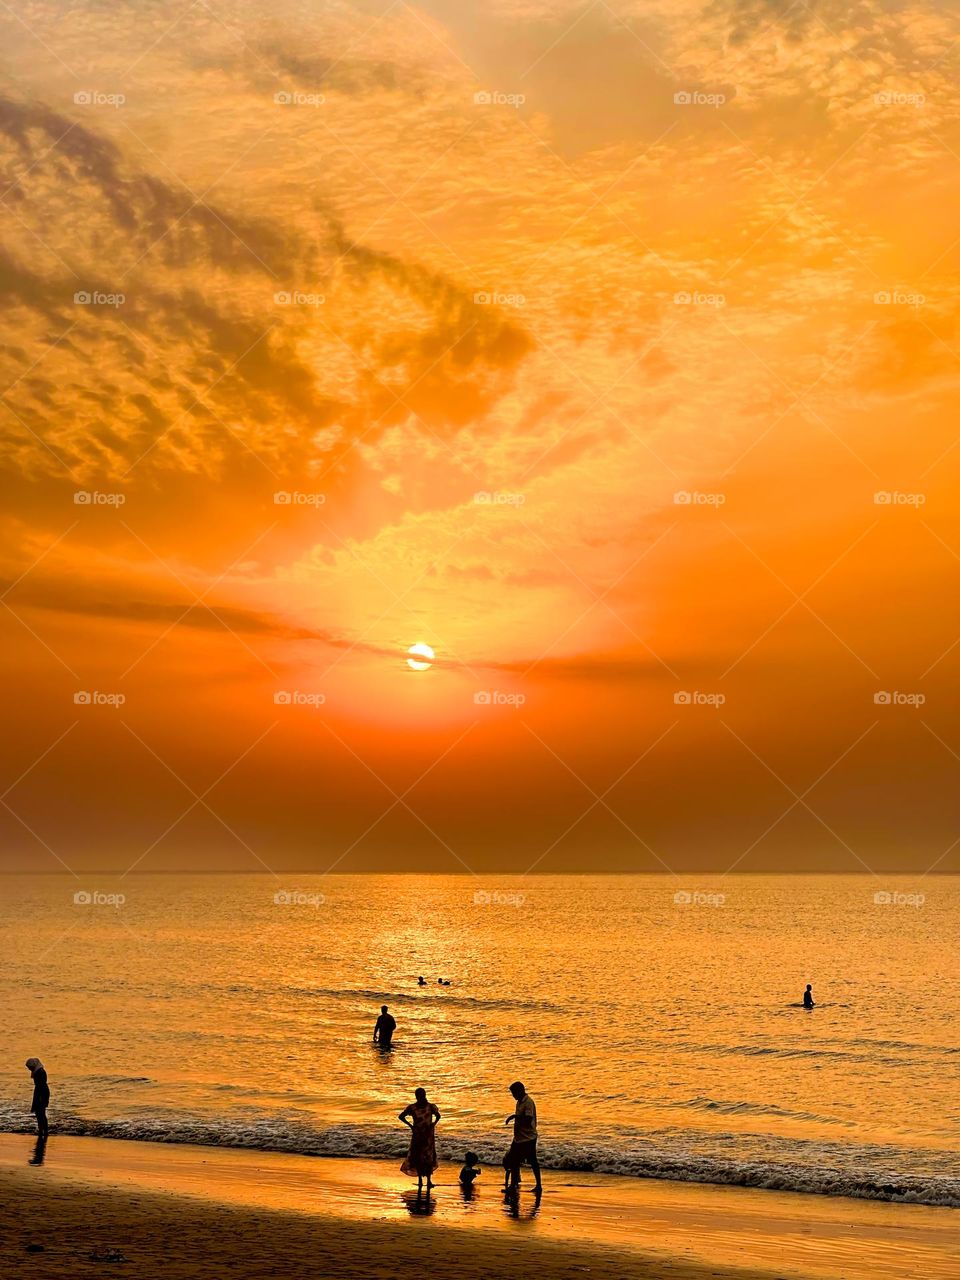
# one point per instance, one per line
(121, 1079)
(417, 997)
(754, 1109)
(907, 1045)
(289, 1136)
(190, 989)
(774, 1051)
(821, 1004)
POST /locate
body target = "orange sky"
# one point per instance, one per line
(485, 288)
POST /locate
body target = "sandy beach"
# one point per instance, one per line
(181, 1211)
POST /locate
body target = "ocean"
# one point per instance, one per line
(656, 1021)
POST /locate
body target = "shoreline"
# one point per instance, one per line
(182, 1211)
(877, 1186)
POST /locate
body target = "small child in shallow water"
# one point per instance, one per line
(471, 1169)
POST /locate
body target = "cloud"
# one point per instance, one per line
(401, 298)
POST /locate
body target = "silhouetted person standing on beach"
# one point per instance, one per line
(808, 997)
(421, 1118)
(524, 1145)
(384, 1028)
(41, 1095)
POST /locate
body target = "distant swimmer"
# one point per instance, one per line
(808, 997)
(421, 981)
(385, 1026)
(444, 982)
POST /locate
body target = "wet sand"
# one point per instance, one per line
(180, 1211)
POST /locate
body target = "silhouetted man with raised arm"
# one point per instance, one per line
(524, 1145)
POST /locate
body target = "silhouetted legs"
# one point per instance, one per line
(512, 1179)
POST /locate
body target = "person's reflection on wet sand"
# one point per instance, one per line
(39, 1150)
(511, 1206)
(419, 1204)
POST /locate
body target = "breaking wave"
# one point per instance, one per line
(632, 1159)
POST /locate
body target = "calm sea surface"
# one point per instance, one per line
(659, 1037)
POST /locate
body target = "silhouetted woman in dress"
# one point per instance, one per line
(41, 1095)
(421, 1119)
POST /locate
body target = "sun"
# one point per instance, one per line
(421, 655)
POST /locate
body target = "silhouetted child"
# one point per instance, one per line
(471, 1169)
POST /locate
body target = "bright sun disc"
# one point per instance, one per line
(421, 655)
